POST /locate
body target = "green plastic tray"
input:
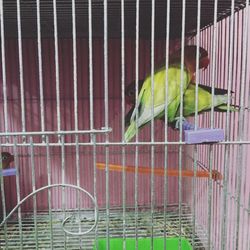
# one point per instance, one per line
(144, 244)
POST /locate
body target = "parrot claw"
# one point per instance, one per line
(185, 124)
(178, 121)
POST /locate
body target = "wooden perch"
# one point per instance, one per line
(160, 171)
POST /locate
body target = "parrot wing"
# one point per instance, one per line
(223, 108)
(144, 104)
(128, 116)
(217, 91)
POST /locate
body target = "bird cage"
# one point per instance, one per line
(124, 124)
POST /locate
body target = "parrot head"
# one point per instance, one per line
(190, 63)
(130, 92)
(7, 158)
(190, 57)
(203, 58)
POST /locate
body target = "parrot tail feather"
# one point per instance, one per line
(232, 108)
(130, 132)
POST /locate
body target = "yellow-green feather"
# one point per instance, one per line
(204, 101)
(145, 97)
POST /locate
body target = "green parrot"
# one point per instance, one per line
(145, 104)
(204, 101)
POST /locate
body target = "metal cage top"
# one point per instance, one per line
(64, 17)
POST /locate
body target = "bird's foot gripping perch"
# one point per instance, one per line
(200, 135)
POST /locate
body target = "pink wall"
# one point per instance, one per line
(237, 163)
(33, 123)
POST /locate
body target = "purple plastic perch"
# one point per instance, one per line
(8, 172)
(204, 135)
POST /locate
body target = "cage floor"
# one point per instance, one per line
(48, 235)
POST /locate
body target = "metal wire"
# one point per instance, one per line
(3, 67)
(123, 123)
(67, 218)
(63, 181)
(95, 179)
(214, 53)
(115, 229)
(137, 26)
(197, 80)
(226, 153)
(58, 113)
(48, 161)
(3, 200)
(181, 117)
(241, 119)
(68, 132)
(156, 143)
(20, 57)
(39, 52)
(106, 116)
(75, 64)
(91, 93)
(165, 192)
(152, 121)
(18, 194)
(33, 176)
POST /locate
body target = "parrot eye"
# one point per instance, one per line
(131, 93)
(4, 158)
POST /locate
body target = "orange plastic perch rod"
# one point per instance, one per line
(160, 171)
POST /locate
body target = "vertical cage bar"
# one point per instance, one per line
(95, 179)
(197, 73)
(137, 115)
(3, 200)
(181, 117)
(152, 121)
(20, 58)
(214, 53)
(248, 239)
(241, 120)
(91, 98)
(195, 154)
(3, 67)
(58, 115)
(165, 192)
(236, 62)
(245, 213)
(123, 123)
(214, 50)
(106, 111)
(194, 194)
(40, 67)
(233, 173)
(78, 182)
(91, 92)
(74, 63)
(210, 193)
(48, 162)
(33, 176)
(246, 202)
(63, 202)
(227, 135)
(18, 193)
